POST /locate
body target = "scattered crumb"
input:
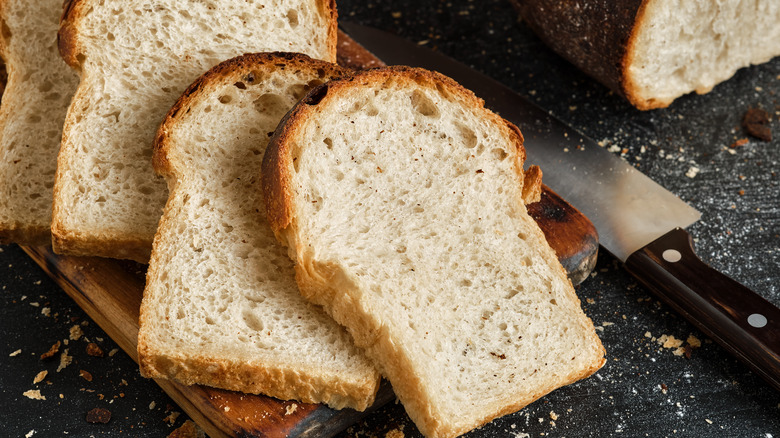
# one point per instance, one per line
(52, 351)
(553, 415)
(34, 394)
(46, 311)
(152, 405)
(692, 172)
(99, 415)
(29, 434)
(188, 430)
(171, 418)
(290, 409)
(708, 420)
(16, 353)
(76, 333)
(693, 341)
(739, 143)
(227, 408)
(65, 360)
(94, 350)
(669, 341)
(113, 352)
(40, 376)
(86, 375)
(395, 433)
(648, 335)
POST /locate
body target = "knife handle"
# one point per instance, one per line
(741, 321)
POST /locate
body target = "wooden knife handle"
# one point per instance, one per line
(741, 321)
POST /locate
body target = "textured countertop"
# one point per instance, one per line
(662, 377)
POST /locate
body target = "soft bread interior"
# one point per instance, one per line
(682, 46)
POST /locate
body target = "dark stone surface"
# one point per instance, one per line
(644, 389)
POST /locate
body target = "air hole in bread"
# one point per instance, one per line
(499, 154)
(271, 104)
(240, 85)
(467, 135)
(45, 87)
(225, 99)
(33, 118)
(292, 18)
(297, 91)
(328, 143)
(6, 31)
(252, 321)
(53, 96)
(317, 95)
(100, 199)
(110, 36)
(424, 105)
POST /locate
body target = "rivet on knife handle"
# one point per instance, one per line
(737, 318)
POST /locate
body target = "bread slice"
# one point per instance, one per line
(221, 307)
(400, 198)
(135, 58)
(654, 51)
(33, 109)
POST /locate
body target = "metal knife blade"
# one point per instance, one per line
(637, 220)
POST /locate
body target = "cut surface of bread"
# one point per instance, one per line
(221, 306)
(135, 58)
(654, 51)
(400, 198)
(33, 109)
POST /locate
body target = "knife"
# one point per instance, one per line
(638, 221)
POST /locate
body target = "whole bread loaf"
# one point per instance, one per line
(221, 307)
(400, 198)
(135, 58)
(654, 51)
(32, 112)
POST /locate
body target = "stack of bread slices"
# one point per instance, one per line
(309, 228)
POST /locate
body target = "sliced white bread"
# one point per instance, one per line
(33, 109)
(654, 51)
(221, 307)
(135, 58)
(400, 198)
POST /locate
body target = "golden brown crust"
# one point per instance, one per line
(329, 7)
(67, 41)
(597, 36)
(109, 245)
(25, 234)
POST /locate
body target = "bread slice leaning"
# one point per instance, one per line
(135, 58)
(33, 109)
(221, 307)
(654, 51)
(400, 198)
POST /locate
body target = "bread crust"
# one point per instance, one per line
(328, 284)
(597, 36)
(274, 379)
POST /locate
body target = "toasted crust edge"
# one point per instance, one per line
(276, 381)
(328, 286)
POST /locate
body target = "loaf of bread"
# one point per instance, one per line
(400, 198)
(221, 307)
(654, 51)
(135, 58)
(33, 109)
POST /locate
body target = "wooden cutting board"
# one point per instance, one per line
(110, 292)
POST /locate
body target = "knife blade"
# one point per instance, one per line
(638, 221)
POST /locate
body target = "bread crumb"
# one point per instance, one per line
(52, 351)
(395, 433)
(553, 415)
(171, 418)
(86, 375)
(152, 405)
(94, 350)
(40, 376)
(708, 420)
(34, 394)
(46, 311)
(669, 341)
(692, 172)
(99, 415)
(76, 333)
(15, 353)
(648, 335)
(290, 409)
(29, 434)
(113, 352)
(693, 341)
(65, 360)
(226, 408)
